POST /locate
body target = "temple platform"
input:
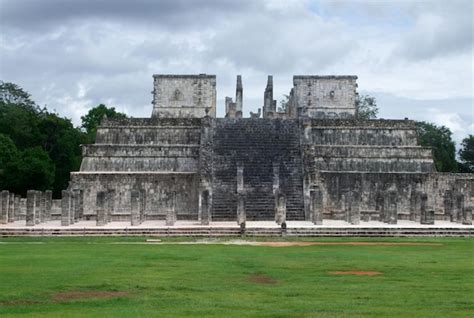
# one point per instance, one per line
(220, 229)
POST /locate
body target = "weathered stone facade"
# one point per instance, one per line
(184, 96)
(314, 161)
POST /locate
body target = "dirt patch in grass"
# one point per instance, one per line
(19, 302)
(262, 279)
(285, 244)
(77, 295)
(356, 273)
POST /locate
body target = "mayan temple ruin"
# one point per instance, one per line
(315, 161)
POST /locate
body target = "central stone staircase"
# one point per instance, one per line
(256, 144)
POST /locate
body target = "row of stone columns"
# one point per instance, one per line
(105, 208)
(388, 208)
(9, 207)
(38, 207)
(455, 210)
(72, 209)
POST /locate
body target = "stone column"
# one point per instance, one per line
(48, 204)
(390, 207)
(11, 208)
(101, 208)
(17, 210)
(238, 97)
(427, 215)
(42, 208)
(171, 212)
(30, 207)
(459, 207)
(317, 206)
(241, 216)
(415, 206)
(354, 214)
(4, 207)
(110, 204)
(135, 208)
(77, 198)
(280, 211)
(205, 208)
(142, 205)
(240, 177)
(65, 208)
(276, 177)
(38, 207)
(467, 219)
(448, 205)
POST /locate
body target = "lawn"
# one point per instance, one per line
(116, 277)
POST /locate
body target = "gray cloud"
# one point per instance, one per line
(73, 55)
(32, 15)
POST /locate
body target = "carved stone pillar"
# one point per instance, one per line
(280, 211)
(30, 207)
(66, 209)
(135, 208)
(241, 216)
(317, 206)
(4, 205)
(390, 212)
(467, 219)
(101, 208)
(11, 208)
(17, 211)
(48, 204)
(171, 212)
(459, 207)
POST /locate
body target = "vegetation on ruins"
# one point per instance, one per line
(444, 148)
(126, 277)
(38, 148)
(366, 107)
(466, 155)
(93, 118)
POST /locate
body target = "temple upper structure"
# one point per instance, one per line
(324, 96)
(184, 96)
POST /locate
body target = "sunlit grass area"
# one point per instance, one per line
(128, 277)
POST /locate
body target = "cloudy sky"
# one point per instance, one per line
(416, 57)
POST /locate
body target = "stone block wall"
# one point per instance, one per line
(184, 96)
(158, 157)
(324, 96)
(374, 186)
(159, 190)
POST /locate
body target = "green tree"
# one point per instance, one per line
(61, 140)
(11, 93)
(33, 170)
(439, 139)
(8, 154)
(29, 127)
(93, 118)
(466, 154)
(366, 107)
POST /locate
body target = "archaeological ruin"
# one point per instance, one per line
(315, 161)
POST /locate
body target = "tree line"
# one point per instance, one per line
(39, 148)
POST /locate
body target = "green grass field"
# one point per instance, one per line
(114, 277)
